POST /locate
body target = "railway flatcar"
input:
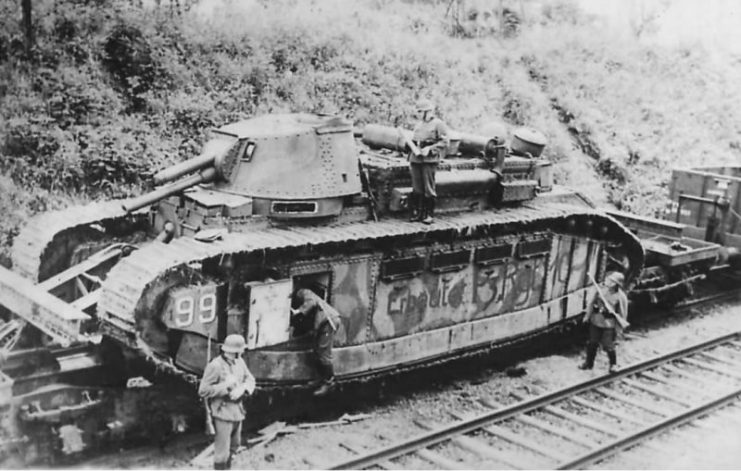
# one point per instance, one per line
(699, 233)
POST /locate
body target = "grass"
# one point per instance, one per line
(114, 91)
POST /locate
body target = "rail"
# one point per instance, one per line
(641, 400)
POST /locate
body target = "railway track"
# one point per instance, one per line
(144, 456)
(580, 424)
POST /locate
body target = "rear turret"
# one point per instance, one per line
(479, 172)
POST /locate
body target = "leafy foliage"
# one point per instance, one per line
(117, 90)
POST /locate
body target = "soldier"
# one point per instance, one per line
(430, 140)
(606, 314)
(326, 322)
(224, 384)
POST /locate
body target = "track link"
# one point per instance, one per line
(128, 282)
(43, 236)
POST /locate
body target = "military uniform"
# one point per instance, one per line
(431, 138)
(427, 133)
(221, 377)
(603, 327)
(326, 323)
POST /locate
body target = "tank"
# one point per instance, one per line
(281, 202)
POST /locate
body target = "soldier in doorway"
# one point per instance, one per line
(326, 321)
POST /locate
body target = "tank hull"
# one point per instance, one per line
(407, 293)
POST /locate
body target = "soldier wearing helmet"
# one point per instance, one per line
(606, 315)
(225, 382)
(431, 141)
(326, 322)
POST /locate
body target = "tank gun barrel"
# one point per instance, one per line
(204, 176)
(183, 168)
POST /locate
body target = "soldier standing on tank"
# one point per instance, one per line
(225, 382)
(606, 315)
(326, 321)
(431, 141)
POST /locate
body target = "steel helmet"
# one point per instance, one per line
(234, 343)
(615, 277)
(425, 105)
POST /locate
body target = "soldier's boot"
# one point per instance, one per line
(429, 212)
(325, 387)
(591, 354)
(328, 382)
(415, 206)
(220, 466)
(612, 356)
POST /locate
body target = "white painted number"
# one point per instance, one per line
(185, 310)
(208, 308)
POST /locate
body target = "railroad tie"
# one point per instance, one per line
(545, 426)
(692, 390)
(610, 413)
(725, 361)
(656, 392)
(356, 449)
(482, 449)
(714, 369)
(523, 442)
(650, 408)
(566, 415)
(680, 372)
(734, 352)
(515, 439)
(439, 460)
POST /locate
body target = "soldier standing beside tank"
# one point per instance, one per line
(606, 315)
(326, 321)
(430, 138)
(225, 382)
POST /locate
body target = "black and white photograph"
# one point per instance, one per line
(370, 234)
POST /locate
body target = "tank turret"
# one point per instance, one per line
(291, 166)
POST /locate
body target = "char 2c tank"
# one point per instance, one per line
(282, 202)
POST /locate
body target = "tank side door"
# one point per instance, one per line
(268, 312)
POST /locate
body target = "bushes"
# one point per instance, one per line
(128, 58)
(116, 92)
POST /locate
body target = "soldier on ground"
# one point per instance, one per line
(606, 315)
(326, 321)
(430, 140)
(225, 382)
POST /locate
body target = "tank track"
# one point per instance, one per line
(126, 287)
(44, 233)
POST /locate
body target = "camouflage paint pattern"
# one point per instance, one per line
(433, 300)
(385, 322)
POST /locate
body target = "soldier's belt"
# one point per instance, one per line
(424, 143)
